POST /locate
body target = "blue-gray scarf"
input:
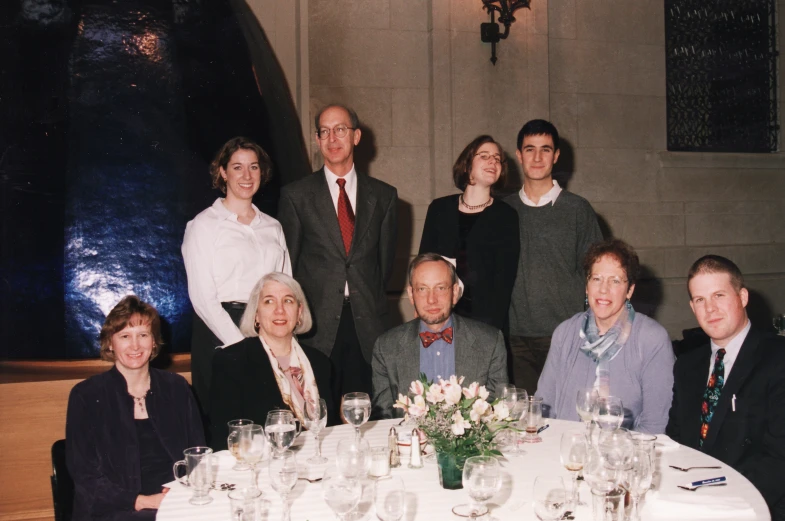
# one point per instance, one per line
(603, 349)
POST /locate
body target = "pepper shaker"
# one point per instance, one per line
(392, 443)
(416, 458)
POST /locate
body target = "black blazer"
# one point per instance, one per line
(750, 439)
(493, 248)
(321, 265)
(102, 450)
(244, 386)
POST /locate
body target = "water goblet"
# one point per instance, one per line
(245, 503)
(639, 478)
(233, 442)
(356, 409)
(253, 448)
(608, 412)
(482, 479)
(549, 498)
(584, 404)
(281, 429)
(389, 498)
(573, 457)
(315, 421)
(283, 477)
(533, 420)
(353, 458)
(341, 494)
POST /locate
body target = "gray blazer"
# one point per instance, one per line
(480, 356)
(319, 261)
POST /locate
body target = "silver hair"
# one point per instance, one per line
(248, 320)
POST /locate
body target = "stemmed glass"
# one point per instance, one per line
(315, 421)
(356, 408)
(549, 498)
(253, 448)
(283, 477)
(281, 429)
(341, 494)
(533, 419)
(353, 458)
(639, 479)
(233, 442)
(389, 497)
(482, 479)
(608, 412)
(573, 457)
(584, 404)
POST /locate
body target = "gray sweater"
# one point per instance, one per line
(641, 374)
(550, 284)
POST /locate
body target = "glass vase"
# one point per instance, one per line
(450, 470)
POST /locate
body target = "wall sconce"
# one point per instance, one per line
(489, 32)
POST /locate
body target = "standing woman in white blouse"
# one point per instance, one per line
(227, 248)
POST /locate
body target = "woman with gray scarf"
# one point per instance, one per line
(610, 347)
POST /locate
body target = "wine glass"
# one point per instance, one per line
(616, 447)
(253, 448)
(281, 429)
(573, 457)
(389, 498)
(341, 494)
(315, 421)
(353, 458)
(549, 498)
(608, 412)
(601, 477)
(584, 404)
(233, 442)
(283, 477)
(482, 479)
(533, 420)
(639, 478)
(356, 408)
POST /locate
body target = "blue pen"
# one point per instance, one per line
(710, 481)
(543, 428)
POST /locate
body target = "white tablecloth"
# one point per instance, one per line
(426, 500)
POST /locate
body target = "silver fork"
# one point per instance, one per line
(690, 468)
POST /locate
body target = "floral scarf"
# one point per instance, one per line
(603, 349)
(300, 369)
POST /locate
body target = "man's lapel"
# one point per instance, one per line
(409, 356)
(742, 368)
(466, 362)
(323, 205)
(366, 202)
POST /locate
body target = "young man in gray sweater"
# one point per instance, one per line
(556, 229)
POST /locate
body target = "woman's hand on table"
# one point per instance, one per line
(153, 501)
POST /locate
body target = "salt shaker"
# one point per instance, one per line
(416, 458)
(395, 455)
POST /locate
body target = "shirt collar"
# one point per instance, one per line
(351, 177)
(734, 346)
(424, 326)
(226, 214)
(549, 197)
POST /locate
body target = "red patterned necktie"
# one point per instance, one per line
(712, 394)
(345, 215)
(429, 337)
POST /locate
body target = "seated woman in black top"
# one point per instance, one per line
(125, 428)
(479, 232)
(269, 369)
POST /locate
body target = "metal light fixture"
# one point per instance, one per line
(489, 32)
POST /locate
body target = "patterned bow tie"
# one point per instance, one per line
(429, 337)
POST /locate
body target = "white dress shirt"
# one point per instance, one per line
(731, 351)
(549, 197)
(225, 258)
(351, 191)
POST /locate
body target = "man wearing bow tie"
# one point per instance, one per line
(436, 343)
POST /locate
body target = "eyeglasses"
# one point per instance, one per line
(339, 132)
(485, 156)
(615, 282)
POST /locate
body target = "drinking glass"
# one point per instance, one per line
(315, 420)
(549, 498)
(341, 494)
(253, 448)
(198, 473)
(601, 477)
(639, 479)
(283, 477)
(608, 412)
(233, 442)
(245, 504)
(584, 404)
(645, 442)
(389, 498)
(356, 408)
(573, 457)
(482, 479)
(533, 420)
(353, 458)
(281, 429)
(616, 447)
(509, 397)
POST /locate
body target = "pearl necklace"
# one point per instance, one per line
(476, 206)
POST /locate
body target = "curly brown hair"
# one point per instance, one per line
(129, 311)
(619, 250)
(462, 168)
(225, 154)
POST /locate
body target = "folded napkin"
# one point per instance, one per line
(664, 443)
(681, 505)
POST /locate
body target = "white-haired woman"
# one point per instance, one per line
(269, 369)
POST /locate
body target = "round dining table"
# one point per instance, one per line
(426, 500)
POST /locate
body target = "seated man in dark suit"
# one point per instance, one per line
(438, 343)
(729, 395)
